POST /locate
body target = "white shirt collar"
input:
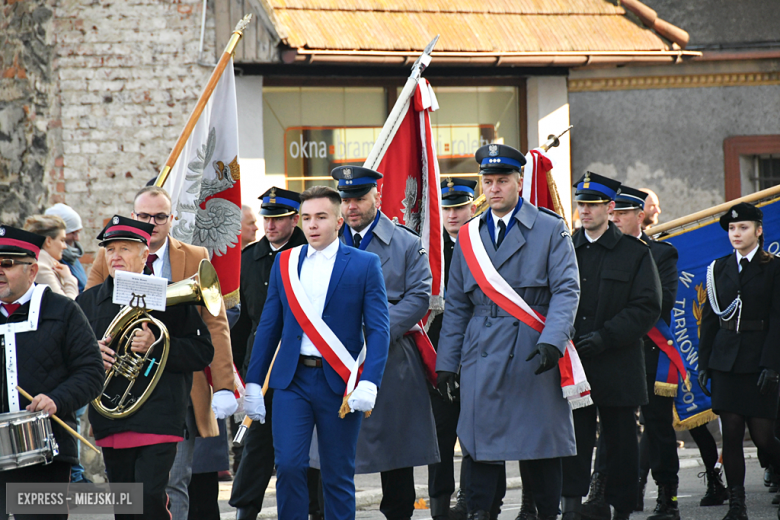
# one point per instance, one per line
(749, 256)
(26, 297)
(506, 218)
(591, 240)
(162, 251)
(329, 252)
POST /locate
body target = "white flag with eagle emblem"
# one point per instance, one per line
(204, 185)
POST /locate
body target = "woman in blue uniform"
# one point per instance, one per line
(739, 349)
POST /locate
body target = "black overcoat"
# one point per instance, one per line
(256, 262)
(748, 351)
(665, 257)
(625, 308)
(435, 329)
(190, 351)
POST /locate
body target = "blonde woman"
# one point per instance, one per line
(50, 271)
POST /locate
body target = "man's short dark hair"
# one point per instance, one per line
(322, 192)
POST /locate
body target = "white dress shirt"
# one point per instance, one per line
(26, 297)
(157, 265)
(315, 278)
(506, 218)
(749, 256)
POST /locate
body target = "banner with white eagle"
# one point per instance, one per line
(205, 186)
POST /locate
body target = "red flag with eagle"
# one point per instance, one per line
(535, 187)
(205, 187)
(410, 187)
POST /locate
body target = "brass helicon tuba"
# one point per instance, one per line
(132, 378)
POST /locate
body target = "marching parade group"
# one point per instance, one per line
(542, 354)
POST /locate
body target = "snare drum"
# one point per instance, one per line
(26, 439)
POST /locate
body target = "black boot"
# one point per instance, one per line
(621, 515)
(459, 511)
(479, 515)
(247, 513)
(571, 508)
(595, 506)
(527, 508)
(666, 504)
(737, 509)
(716, 492)
(440, 508)
(640, 495)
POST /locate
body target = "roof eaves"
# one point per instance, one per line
(649, 19)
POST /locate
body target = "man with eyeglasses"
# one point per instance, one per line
(176, 261)
(47, 348)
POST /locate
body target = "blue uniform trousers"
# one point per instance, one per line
(297, 409)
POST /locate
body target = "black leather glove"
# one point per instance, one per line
(590, 345)
(550, 356)
(704, 378)
(447, 384)
(768, 380)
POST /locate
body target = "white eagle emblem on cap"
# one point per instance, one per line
(2, 231)
(734, 213)
(116, 220)
(347, 173)
(493, 150)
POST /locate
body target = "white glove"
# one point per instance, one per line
(254, 404)
(224, 403)
(363, 397)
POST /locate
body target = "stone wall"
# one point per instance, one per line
(128, 80)
(30, 149)
(93, 95)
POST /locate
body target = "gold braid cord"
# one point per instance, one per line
(344, 410)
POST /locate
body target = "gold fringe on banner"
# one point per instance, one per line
(693, 421)
(665, 389)
(232, 299)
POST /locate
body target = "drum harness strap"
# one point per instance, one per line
(734, 308)
(9, 331)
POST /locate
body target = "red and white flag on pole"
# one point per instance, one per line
(205, 187)
(535, 187)
(410, 186)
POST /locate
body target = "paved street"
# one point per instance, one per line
(691, 490)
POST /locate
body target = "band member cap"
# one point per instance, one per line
(277, 202)
(18, 242)
(457, 192)
(355, 181)
(499, 158)
(630, 198)
(741, 212)
(123, 228)
(594, 188)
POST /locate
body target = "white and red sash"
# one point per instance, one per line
(326, 341)
(574, 384)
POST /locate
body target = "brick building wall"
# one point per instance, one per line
(122, 79)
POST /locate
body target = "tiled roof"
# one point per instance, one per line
(474, 26)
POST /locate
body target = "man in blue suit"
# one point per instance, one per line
(319, 314)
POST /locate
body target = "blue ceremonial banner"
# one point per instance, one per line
(698, 248)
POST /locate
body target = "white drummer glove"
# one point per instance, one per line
(254, 404)
(363, 397)
(224, 403)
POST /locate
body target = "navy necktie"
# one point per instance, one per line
(356, 240)
(501, 233)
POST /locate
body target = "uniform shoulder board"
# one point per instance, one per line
(550, 212)
(250, 246)
(410, 230)
(661, 242)
(637, 240)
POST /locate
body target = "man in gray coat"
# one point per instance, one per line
(401, 432)
(512, 406)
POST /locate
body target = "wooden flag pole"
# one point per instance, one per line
(238, 32)
(711, 212)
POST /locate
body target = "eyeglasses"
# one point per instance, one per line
(159, 219)
(7, 263)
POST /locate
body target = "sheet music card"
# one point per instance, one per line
(140, 290)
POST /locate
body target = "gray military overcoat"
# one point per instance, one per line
(507, 412)
(401, 431)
